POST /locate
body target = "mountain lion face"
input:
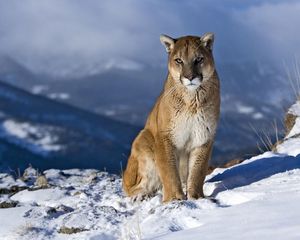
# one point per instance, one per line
(190, 59)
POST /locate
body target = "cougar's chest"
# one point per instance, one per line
(192, 130)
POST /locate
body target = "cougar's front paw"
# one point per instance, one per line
(173, 197)
(141, 197)
(193, 195)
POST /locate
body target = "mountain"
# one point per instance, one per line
(45, 133)
(254, 96)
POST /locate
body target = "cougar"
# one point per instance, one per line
(173, 150)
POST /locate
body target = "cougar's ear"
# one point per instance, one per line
(208, 40)
(168, 42)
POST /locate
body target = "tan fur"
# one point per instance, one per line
(173, 149)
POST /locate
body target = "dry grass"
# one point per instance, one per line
(266, 141)
(293, 76)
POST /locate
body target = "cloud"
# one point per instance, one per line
(63, 35)
(76, 32)
(275, 25)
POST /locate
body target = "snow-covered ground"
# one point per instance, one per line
(257, 199)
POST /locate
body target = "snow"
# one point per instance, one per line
(295, 130)
(295, 109)
(270, 218)
(257, 115)
(110, 112)
(60, 96)
(123, 64)
(45, 197)
(8, 181)
(12, 222)
(244, 109)
(248, 110)
(290, 146)
(38, 138)
(257, 199)
(39, 89)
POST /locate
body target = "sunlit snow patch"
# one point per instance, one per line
(60, 96)
(39, 89)
(257, 115)
(37, 138)
(244, 109)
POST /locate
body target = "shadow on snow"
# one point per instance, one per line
(254, 171)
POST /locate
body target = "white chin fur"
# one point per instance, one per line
(191, 85)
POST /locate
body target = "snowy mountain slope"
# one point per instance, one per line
(258, 198)
(128, 95)
(62, 136)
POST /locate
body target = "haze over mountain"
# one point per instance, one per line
(110, 62)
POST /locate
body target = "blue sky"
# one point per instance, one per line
(66, 33)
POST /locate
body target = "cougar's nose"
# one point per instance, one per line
(190, 76)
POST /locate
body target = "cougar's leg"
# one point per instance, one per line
(167, 164)
(183, 168)
(198, 165)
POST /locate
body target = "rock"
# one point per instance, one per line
(70, 230)
(289, 122)
(30, 174)
(8, 204)
(232, 163)
(12, 190)
(92, 178)
(42, 182)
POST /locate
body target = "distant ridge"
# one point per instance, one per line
(87, 140)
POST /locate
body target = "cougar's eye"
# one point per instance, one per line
(199, 60)
(178, 61)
